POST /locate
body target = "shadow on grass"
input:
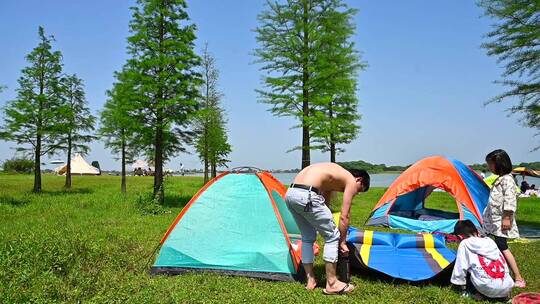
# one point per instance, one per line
(529, 224)
(13, 201)
(66, 191)
(442, 279)
(176, 200)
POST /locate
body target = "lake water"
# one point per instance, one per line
(380, 179)
(386, 179)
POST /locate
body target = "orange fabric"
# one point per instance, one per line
(191, 201)
(271, 183)
(432, 171)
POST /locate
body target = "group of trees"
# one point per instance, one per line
(50, 113)
(372, 168)
(515, 42)
(166, 96)
(161, 99)
(307, 51)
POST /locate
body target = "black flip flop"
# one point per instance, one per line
(343, 291)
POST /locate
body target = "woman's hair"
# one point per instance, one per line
(465, 228)
(364, 175)
(500, 159)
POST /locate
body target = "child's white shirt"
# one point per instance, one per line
(489, 273)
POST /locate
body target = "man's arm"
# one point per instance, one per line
(348, 195)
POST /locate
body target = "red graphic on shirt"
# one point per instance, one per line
(495, 268)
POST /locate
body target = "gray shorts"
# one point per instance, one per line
(318, 218)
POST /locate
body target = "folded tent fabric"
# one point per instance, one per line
(411, 257)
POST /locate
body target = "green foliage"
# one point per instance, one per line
(77, 120)
(371, 168)
(32, 119)
(298, 48)
(149, 205)
(484, 167)
(514, 41)
(162, 73)
(92, 245)
(18, 165)
(334, 117)
(211, 135)
(119, 124)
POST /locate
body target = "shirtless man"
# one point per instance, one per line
(307, 199)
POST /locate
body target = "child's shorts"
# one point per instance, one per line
(502, 242)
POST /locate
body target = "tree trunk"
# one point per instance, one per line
(158, 160)
(37, 165)
(123, 183)
(214, 168)
(158, 157)
(206, 161)
(332, 152)
(306, 157)
(332, 140)
(68, 164)
(206, 170)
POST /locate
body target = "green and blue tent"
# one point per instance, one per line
(237, 224)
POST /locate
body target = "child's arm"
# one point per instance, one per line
(459, 275)
(509, 204)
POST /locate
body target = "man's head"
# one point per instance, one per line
(362, 179)
(464, 229)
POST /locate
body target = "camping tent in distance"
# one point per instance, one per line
(79, 166)
(236, 224)
(403, 204)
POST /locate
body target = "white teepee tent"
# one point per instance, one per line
(79, 166)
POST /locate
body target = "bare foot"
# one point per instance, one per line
(339, 288)
(311, 284)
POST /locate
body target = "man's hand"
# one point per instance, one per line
(506, 224)
(343, 248)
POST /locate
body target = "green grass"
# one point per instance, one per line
(91, 244)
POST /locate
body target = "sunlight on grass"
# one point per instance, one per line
(92, 244)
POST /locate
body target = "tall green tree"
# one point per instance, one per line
(219, 147)
(211, 142)
(334, 117)
(31, 120)
(119, 126)
(77, 121)
(292, 43)
(163, 73)
(515, 42)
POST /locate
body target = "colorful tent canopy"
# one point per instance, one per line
(236, 224)
(526, 172)
(403, 204)
(412, 257)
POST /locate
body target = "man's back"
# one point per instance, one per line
(325, 177)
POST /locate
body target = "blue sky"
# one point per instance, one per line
(422, 94)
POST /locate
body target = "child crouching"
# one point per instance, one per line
(480, 268)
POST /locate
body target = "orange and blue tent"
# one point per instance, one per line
(411, 257)
(403, 204)
(237, 224)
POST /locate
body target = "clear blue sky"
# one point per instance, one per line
(422, 93)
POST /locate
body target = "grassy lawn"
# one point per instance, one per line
(92, 244)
